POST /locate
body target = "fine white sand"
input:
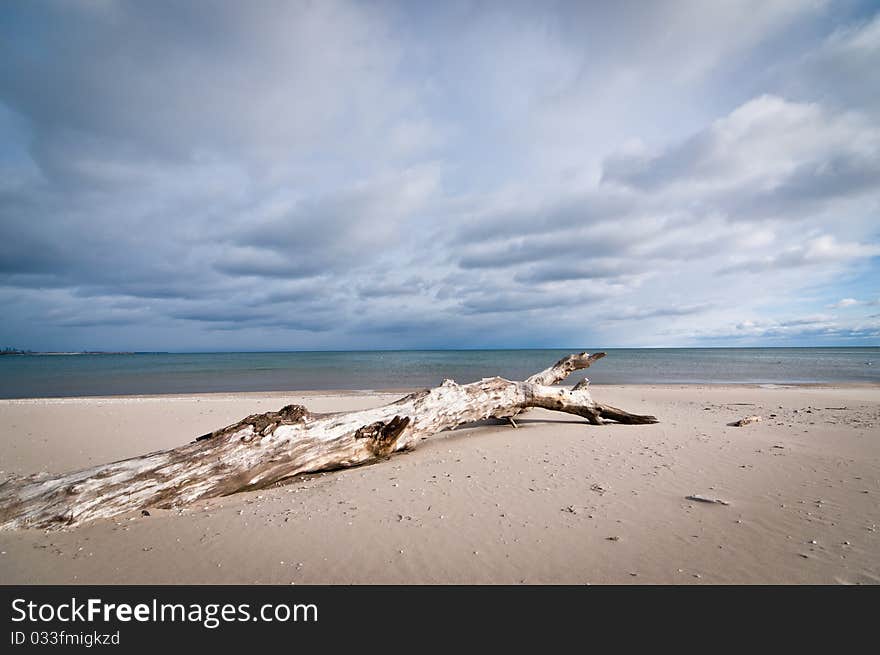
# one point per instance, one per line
(556, 501)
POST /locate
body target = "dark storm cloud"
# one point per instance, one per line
(220, 315)
(26, 248)
(826, 155)
(588, 240)
(655, 312)
(388, 289)
(223, 175)
(101, 322)
(519, 301)
(582, 210)
(820, 251)
(348, 229)
(269, 263)
(521, 251)
(600, 268)
(808, 188)
(293, 324)
(170, 78)
(651, 172)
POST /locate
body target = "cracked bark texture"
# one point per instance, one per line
(263, 449)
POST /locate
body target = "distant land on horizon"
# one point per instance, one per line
(17, 351)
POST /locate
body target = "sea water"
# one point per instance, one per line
(28, 376)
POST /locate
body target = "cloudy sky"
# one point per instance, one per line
(335, 175)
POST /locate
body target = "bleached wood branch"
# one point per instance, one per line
(263, 449)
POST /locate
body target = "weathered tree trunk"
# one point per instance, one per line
(265, 448)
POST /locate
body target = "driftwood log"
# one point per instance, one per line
(263, 449)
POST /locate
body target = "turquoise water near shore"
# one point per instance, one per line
(28, 376)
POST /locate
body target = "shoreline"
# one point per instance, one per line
(309, 393)
(556, 501)
(392, 371)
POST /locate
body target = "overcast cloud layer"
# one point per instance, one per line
(336, 175)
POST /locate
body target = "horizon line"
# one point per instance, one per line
(17, 351)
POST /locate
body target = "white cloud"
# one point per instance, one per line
(761, 147)
(844, 303)
(814, 253)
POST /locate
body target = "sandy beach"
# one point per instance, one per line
(555, 501)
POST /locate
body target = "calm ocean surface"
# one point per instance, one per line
(23, 376)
